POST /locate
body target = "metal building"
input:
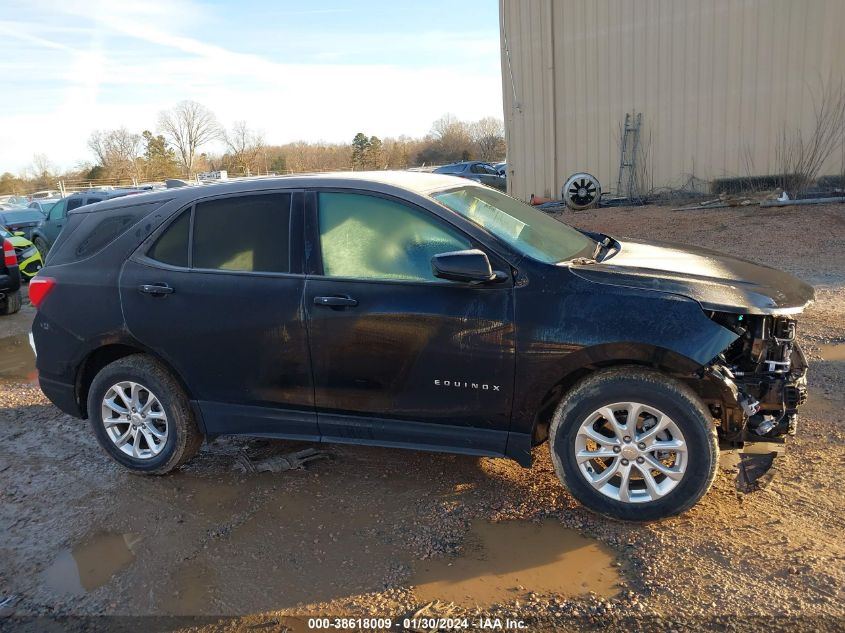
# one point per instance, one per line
(716, 82)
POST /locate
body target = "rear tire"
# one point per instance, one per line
(141, 416)
(657, 467)
(11, 304)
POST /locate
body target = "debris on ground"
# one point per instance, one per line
(279, 463)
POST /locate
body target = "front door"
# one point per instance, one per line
(55, 221)
(226, 312)
(400, 357)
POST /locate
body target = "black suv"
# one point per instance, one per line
(48, 228)
(420, 311)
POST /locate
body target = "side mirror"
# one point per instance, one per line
(469, 266)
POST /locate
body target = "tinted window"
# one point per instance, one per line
(93, 200)
(88, 233)
(478, 169)
(58, 210)
(243, 233)
(74, 203)
(374, 238)
(172, 246)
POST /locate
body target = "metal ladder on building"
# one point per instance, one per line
(628, 156)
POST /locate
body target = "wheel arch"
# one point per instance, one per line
(585, 362)
(104, 355)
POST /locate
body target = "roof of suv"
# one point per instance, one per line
(384, 181)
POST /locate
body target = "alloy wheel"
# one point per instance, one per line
(631, 452)
(135, 420)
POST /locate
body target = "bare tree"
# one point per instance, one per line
(42, 170)
(800, 158)
(245, 147)
(488, 134)
(117, 151)
(187, 127)
(450, 140)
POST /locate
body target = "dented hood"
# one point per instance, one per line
(716, 281)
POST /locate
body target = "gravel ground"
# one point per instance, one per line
(261, 551)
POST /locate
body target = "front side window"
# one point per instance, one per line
(526, 229)
(367, 237)
(58, 210)
(246, 233)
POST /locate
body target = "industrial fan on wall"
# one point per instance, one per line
(581, 191)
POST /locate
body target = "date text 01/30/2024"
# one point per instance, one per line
(455, 624)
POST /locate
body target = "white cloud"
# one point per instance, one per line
(127, 62)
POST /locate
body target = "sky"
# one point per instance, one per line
(311, 71)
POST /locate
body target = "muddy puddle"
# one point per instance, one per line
(503, 561)
(91, 563)
(833, 352)
(17, 362)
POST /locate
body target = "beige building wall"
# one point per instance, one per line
(715, 81)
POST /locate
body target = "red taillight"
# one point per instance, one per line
(9, 257)
(38, 289)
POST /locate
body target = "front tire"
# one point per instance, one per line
(633, 444)
(141, 416)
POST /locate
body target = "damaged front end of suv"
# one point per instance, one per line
(762, 375)
(755, 385)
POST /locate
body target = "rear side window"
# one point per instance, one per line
(172, 246)
(245, 233)
(74, 203)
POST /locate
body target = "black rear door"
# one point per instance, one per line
(399, 356)
(218, 294)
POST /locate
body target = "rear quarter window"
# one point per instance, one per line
(87, 234)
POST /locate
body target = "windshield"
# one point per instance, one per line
(528, 230)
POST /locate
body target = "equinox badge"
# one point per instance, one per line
(462, 384)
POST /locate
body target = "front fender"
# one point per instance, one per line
(580, 329)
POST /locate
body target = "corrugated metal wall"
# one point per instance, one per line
(716, 81)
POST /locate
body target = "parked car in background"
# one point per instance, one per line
(29, 259)
(21, 219)
(14, 201)
(478, 171)
(44, 205)
(10, 279)
(420, 311)
(47, 193)
(46, 233)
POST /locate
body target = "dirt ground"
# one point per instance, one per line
(377, 532)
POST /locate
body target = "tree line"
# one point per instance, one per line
(178, 148)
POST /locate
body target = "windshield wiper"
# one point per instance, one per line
(601, 246)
